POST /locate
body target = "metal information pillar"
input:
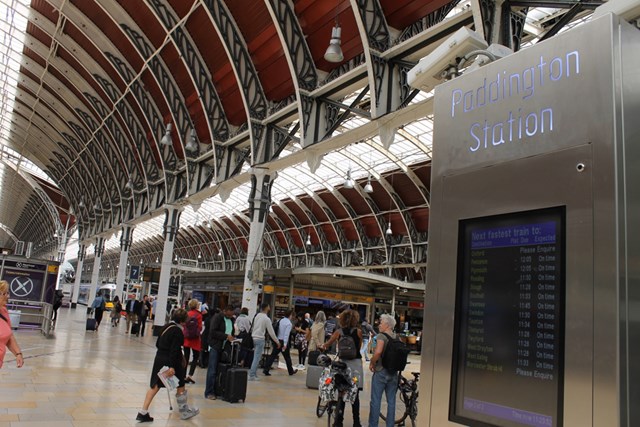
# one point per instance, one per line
(169, 233)
(125, 244)
(82, 248)
(95, 274)
(531, 310)
(259, 201)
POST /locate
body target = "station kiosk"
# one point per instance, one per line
(532, 310)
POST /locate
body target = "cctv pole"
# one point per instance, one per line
(259, 200)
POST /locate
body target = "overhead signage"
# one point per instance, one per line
(25, 265)
(135, 272)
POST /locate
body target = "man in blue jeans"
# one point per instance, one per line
(383, 380)
(220, 330)
(261, 326)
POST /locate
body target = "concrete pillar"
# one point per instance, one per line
(125, 244)
(95, 274)
(169, 233)
(259, 200)
(76, 286)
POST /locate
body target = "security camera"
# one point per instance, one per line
(429, 71)
(628, 10)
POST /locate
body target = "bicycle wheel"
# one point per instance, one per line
(401, 408)
(320, 408)
(331, 407)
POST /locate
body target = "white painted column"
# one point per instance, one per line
(393, 301)
(259, 200)
(125, 244)
(169, 233)
(82, 248)
(95, 274)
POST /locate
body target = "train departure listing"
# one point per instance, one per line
(509, 320)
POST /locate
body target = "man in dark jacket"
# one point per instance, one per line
(220, 331)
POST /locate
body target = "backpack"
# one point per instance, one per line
(394, 358)
(347, 346)
(191, 328)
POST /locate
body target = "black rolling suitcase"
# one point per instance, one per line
(91, 322)
(231, 381)
(135, 329)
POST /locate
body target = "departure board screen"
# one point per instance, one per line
(509, 336)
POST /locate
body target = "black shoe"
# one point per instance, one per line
(189, 380)
(266, 373)
(294, 372)
(146, 418)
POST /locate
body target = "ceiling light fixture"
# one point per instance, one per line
(192, 143)
(368, 188)
(81, 204)
(308, 239)
(348, 182)
(157, 260)
(389, 231)
(166, 139)
(334, 51)
(129, 184)
(220, 252)
(199, 255)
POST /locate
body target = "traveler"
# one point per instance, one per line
(317, 337)
(307, 318)
(131, 308)
(301, 342)
(329, 327)
(98, 306)
(57, 303)
(7, 339)
(115, 312)
(192, 341)
(284, 337)
(220, 331)
(243, 331)
(383, 380)
(367, 334)
(143, 312)
(349, 336)
(261, 326)
(169, 354)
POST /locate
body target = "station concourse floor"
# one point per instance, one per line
(75, 379)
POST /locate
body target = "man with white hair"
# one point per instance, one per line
(383, 380)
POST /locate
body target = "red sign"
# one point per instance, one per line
(416, 304)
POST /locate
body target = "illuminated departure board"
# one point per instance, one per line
(509, 339)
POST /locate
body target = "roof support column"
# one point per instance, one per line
(126, 238)
(95, 274)
(82, 248)
(487, 17)
(169, 233)
(259, 200)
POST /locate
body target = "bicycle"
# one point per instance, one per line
(407, 404)
(336, 384)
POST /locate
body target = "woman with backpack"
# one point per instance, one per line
(98, 307)
(116, 312)
(349, 338)
(192, 340)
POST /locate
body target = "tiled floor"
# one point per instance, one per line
(76, 379)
